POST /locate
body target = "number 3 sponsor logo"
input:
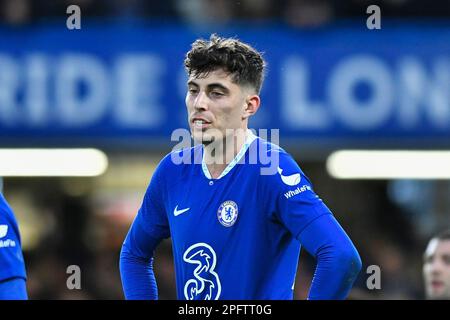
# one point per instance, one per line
(205, 284)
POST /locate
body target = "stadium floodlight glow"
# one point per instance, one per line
(384, 164)
(52, 162)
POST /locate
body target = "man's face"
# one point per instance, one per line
(215, 104)
(436, 269)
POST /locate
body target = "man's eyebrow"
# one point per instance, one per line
(218, 85)
(214, 85)
(192, 83)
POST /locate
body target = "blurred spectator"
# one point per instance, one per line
(256, 10)
(308, 13)
(205, 12)
(16, 12)
(436, 267)
(395, 8)
(159, 10)
(395, 272)
(296, 13)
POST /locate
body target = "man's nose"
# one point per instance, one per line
(436, 267)
(200, 102)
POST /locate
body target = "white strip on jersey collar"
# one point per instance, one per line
(248, 141)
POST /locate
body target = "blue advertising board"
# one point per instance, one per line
(110, 84)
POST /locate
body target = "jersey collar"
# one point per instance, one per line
(250, 137)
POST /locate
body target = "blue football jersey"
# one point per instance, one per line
(11, 258)
(234, 237)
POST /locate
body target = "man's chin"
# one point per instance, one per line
(438, 295)
(203, 138)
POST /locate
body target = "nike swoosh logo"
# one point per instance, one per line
(3, 230)
(291, 180)
(177, 212)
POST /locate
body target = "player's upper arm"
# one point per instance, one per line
(150, 225)
(295, 204)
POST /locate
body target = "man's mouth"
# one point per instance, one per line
(200, 123)
(437, 285)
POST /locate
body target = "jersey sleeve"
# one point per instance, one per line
(11, 257)
(149, 227)
(308, 219)
(151, 220)
(338, 261)
(294, 202)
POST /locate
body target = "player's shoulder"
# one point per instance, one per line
(272, 154)
(277, 166)
(178, 160)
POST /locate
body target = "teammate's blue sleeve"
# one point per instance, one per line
(338, 261)
(13, 289)
(136, 258)
(12, 265)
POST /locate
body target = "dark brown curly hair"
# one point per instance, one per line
(243, 62)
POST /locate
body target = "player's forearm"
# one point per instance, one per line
(138, 278)
(338, 262)
(336, 271)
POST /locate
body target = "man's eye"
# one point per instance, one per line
(446, 260)
(192, 91)
(216, 94)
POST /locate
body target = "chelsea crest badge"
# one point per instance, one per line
(227, 213)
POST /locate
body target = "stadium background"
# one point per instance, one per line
(117, 85)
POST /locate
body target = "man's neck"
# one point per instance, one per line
(219, 154)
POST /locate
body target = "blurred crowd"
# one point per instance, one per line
(297, 13)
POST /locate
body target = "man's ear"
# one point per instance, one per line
(252, 103)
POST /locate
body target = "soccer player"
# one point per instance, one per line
(236, 228)
(436, 267)
(12, 265)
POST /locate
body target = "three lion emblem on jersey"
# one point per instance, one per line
(227, 213)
